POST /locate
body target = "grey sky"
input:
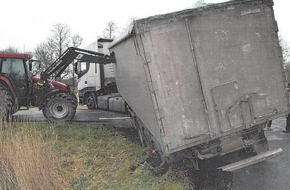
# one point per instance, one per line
(26, 23)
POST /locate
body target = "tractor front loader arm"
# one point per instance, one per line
(71, 54)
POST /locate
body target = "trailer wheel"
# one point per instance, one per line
(140, 131)
(262, 144)
(157, 166)
(60, 107)
(6, 104)
(91, 101)
(257, 140)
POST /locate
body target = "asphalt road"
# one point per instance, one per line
(273, 174)
(82, 115)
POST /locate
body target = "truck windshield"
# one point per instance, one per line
(82, 68)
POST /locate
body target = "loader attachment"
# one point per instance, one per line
(72, 53)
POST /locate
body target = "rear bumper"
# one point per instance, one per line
(252, 160)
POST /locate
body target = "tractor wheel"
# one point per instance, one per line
(60, 107)
(6, 104)
(91, 101)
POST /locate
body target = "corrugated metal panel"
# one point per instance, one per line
(133, 85)
(203, 73)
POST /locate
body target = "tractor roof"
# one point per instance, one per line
(15, 55)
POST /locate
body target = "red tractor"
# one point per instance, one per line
(18, 88)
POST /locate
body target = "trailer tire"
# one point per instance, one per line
(157, 166)
(60, 107)
(257, 140)
(91, 101)
(6, 104)
(262, 144)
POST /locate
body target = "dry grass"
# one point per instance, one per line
(89, 156)
(27, 161)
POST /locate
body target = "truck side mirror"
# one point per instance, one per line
(81, 68)
(30, 66)
(76, 68)
(31, 62)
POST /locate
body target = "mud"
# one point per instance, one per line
(211, 179)
(207, 178)
(129, 133)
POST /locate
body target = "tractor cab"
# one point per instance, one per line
(15, 74)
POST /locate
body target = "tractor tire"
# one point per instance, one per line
(91, 101)
(60, 107)
(6, 104)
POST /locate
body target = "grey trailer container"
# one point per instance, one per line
(203, 81)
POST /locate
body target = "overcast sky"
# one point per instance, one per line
(26, 23)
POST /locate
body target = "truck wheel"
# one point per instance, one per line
(6, 104)
(90, 101)
(60, 108)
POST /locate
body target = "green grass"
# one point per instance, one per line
(87, 156)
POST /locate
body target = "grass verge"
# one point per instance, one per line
(75, 156)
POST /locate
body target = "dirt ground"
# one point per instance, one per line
(208, 178)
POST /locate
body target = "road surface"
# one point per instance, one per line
(82, 115)
(273, 174)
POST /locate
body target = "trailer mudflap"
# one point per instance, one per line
(252, 160)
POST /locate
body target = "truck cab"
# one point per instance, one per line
(95, 79)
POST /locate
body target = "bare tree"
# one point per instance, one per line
(199, 3)
(76, 40)
(60, 38)
(45, 53)
(110, 30)
(131, 20)
(285, 57)
(10, 49)
(285, 50)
